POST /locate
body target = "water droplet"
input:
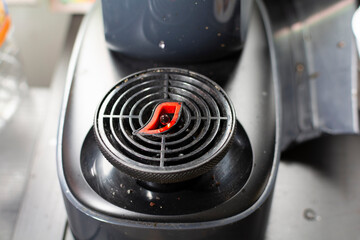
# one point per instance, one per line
(310, 215)
(162, 44)
(164, 119)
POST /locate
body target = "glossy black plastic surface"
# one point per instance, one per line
(253, 102)
(248, 84)
(85, 227)
(207, 191)
(175, 31)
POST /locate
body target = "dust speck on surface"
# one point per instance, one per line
(340, 44)
(314, 75)
(310, 215)
(300, 67)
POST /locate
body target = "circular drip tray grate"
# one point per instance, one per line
(165, 125)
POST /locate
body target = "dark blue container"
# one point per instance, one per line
(176, 30)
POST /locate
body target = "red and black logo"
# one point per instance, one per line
(163, 118)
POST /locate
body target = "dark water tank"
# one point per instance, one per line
(174, 30)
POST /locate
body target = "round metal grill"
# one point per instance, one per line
(197, 141)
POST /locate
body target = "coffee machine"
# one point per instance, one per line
(175, 115)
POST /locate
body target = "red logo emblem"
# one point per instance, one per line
(164, 117)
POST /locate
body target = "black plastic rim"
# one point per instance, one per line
(192, 147)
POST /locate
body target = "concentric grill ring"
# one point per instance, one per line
(197, 142)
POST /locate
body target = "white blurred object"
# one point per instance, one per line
(21, 2)
(356, 31)
(71, 6)
(12, 78)
(356, 28)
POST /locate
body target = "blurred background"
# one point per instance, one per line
(40, 39)
(40, 28)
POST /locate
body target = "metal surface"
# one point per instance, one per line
(317, 194)
(316, 60)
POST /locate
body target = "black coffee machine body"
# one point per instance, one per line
(163, 135)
